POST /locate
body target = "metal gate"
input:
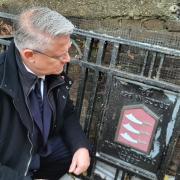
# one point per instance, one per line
(127, 94)
(137, 120)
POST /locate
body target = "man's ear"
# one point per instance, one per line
(27, 55)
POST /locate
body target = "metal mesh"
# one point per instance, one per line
(161, 38)
(131, 59)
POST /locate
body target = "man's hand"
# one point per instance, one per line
(80, 161)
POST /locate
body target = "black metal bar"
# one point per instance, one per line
(105, 99)
(66, 67)
(114, 55)
(87, 49)
(148, 46)
(88, 120)
(116, 175)
(134, 77)
(81, 90)
(100, 52)
(160, 66)
(123, 175)
(178, 173)
(99, 124)
(144, 63)
(152, 65)
(83, 76)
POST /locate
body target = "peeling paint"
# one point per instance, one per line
(171, 124)
(156, 146)
(171, 97)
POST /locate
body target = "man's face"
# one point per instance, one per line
(52, 60)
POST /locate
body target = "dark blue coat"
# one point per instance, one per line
(16, 124)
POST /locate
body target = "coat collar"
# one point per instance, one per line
(10, 73)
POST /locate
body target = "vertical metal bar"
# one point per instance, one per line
(114, 55)
(102, 113)
(88, 120)
(144, 63)
(123, 177)
(81, 89)
(87, 49)
(178, 173)
(100, 52)
(92, 98)
(152, 65)
(116, 175)
(83, 76)
(66, 67)
(4, 47)
(160, 66)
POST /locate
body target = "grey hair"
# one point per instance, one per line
(36, 26)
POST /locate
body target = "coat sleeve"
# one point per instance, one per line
(6, 173)
(72, 131)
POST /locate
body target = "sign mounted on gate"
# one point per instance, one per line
(136, 127)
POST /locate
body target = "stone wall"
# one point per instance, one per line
(159, 15)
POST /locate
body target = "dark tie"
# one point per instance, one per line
(37, 90)
(36, 104)
(40, 109)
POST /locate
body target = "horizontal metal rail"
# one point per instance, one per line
(5, 42)
(8, 16)
(151, 47)
(116, 72)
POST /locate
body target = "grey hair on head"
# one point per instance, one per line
(36, 26)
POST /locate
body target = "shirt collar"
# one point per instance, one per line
(42, 77)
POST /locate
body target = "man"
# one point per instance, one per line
(40, 136)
